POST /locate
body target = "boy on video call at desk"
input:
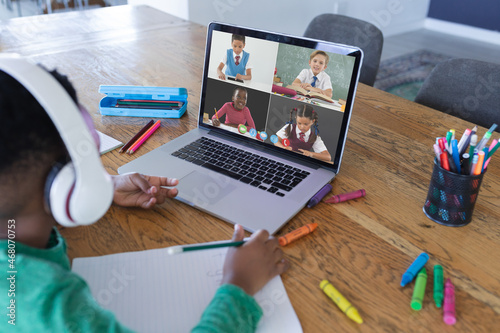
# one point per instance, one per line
(236, 60)
(303, 135)
(236, 111)
(314, 78)
(49, 297)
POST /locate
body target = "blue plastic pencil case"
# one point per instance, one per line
(107, 105)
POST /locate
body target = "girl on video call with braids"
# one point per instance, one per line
(303, 135)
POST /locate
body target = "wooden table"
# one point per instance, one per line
(362, 246)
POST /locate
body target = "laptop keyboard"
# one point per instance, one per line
(252, 169)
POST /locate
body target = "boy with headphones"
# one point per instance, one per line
(50, 171)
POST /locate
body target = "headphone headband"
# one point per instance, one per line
(92, 191)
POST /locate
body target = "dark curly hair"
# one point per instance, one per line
(26, 130)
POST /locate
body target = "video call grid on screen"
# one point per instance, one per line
(278, 59)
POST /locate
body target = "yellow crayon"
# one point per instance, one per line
(341, 301)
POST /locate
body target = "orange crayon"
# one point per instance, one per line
(296, 234)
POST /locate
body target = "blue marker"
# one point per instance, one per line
(486, 151)
(456, 155)
(414, 268)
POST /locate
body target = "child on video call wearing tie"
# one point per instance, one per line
(314, 78)
(303, 135)
(51, 298)
(236, 60)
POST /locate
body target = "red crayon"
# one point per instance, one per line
(346, 196)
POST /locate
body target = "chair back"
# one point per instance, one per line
(347, 30)
(465, 88)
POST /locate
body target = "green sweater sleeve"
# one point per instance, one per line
(231, 310)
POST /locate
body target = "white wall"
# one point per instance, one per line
(293, 16)
(177, 8)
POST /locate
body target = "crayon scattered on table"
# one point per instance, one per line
(297, 233)
(340, 301)
(414, 268)
(449, 316)
(346, 196)
(438, 285)
(419, 290)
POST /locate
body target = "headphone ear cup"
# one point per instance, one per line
(58, 189)
(56, 168)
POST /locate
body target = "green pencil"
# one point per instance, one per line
(180, 248)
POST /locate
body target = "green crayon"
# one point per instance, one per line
(438, 285)
(419, 290)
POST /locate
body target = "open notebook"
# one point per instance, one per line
(107, 143)
(152, 291)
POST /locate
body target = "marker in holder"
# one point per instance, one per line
(451, 197)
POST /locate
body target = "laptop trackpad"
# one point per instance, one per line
(203, 190)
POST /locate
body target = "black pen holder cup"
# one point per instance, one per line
(451, 197)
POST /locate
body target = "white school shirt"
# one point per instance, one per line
(318, 145)
(249, 62)
(323, 82)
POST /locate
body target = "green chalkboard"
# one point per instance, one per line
(292, 59)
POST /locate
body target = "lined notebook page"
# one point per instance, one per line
(107, 143)
(152, 291)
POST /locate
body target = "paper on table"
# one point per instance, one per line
(152, 291)
(107, 143)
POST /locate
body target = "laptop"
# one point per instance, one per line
(247, 162)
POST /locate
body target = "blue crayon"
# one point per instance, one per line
(414, 268)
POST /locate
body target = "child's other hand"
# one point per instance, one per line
(239, 76)
(216, 122)
(305, 85)
(253, 264)
(305, 152)
(136, 190)
(222, 76)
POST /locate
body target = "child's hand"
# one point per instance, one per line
(216, 122)
(136, 190)
(305, 85)
(239, 77)
(306, 152)
(253, 264)
(222, 76)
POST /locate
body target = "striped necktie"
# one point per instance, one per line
(237, 62)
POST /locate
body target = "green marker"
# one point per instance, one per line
(419, 290)
(449, 134)
(438, 285)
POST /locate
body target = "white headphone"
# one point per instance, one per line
(80, 192)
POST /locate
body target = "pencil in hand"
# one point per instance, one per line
(137, 136)
(207, 246)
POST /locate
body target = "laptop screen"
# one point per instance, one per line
(290, 94)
